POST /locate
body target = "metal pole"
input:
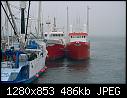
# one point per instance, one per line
(22, 36)
(22, 21)
(54, 27)
(39, 19)
(6, 20)
(27, 21)
(67, 35)
(87, 19)
(42, 29)
(67, 19)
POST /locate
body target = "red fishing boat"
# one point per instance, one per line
(78, 47)
(55, 41)
(55, 45)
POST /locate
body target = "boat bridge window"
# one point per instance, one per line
(45, 35)
(54, 34)
(57, 35)
(72, 36)
(32, 56)
(83, 36)
(77, 36)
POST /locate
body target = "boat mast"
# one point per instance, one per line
(71, 29)
(79, 24)
(39, 19)
(6, 24)
(84, 28)
(27, 21)
(67, 25)
(6, 20)
(54, 25)
(22, 6)
(48, 23)
(87, 20)
(42, 29)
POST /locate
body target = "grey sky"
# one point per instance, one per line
(106, 17)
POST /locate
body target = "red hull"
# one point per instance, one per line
(55, 51)
(78, 51)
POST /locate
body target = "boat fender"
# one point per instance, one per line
(42, 70)
(45, 67)
(37, 75)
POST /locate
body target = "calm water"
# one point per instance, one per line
(106, 65)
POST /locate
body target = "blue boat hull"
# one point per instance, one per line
(30, 80)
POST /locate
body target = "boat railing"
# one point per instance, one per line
(7, 64)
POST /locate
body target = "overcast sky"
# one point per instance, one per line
(107, 18)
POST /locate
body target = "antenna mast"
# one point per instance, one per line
(54, 25)
(23, 6)
(39, 19)
(87, 23)
(42, 29)
(67, 36)
(6, 20)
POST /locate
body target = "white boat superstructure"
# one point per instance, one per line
(25, 59)
(28, 64)
(55, 37)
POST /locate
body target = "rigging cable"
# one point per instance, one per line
(8, 19)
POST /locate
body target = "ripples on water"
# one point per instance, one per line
(106, 65)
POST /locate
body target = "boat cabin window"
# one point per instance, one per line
(77, 36)
(45, 35)
(83, 36)
(32, 56)
(57, 35)
(54, 34)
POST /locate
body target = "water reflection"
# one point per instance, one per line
(106, 65)
(64, 71)
(82, 65)
(70, 64)
(55, 64)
